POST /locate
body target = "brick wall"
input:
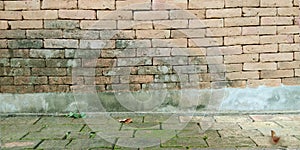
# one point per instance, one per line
(65, 45)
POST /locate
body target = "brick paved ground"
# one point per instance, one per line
(162, 131)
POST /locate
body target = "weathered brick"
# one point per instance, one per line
(276, 21)
(153, 52)
(154, 70)
(297, 55)
(96, 4)
(223, 13)
(259, 12)
(178, 60)
(133, 5)
(11, 15)
(133, 24)
(151, 15)
(242, 21)
(187, 33)
(137, 61)
(188, 52)
(96, 44)
(5, 62)
(289, 65)
(273, 3)
(46, 53)
(242, 75)
(206, 23)
(21, 53)
(40, 14)
(52, 63)
(289, 47)
(233, 40)
(241, 3)
(170, 24)
(259, 30)
(270, 39)
(205, 42)
(296, 2)
(169, 42)
(140, 79)
(190, 69)
(59, 4)
(22, 5)
(297, 38)
(61, 24)
(25, 43)
(291, 11)
(1, 5)
(6, 80)
(52, 88)
(276, 74)
(260, 48)
(49, 71)
(117, 34)
(7, 71)
(187, 14)
(40, 34)
(264, 82)
(260, 66)
(101, 24)
(200, 4)
(149, 34)
(80, 34)
(60, 43)
(169, 4)
(211, 60)
(241, 58)
(26, 24)
(105, 62)
(3, 43)
(223, 31)
(297, 72)
(77, 14)
(234, 67)
(288, 29)
(170, 78)
(133, 43)
(20, 62)
(226, 50)
(30, 80)
(276, 57)
(291, 81)
(63, 80)
(118, 53)
(114, 15)
(3, 25)
(17, 89)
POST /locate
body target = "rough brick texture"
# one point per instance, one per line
(121, 45)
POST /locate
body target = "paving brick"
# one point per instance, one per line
(96, 4)
(259, 30)
(22, 5)
(241, 58)
(276, 20)
(169, 4)
(276, 57)
(133, 5)
(12, 15)
(32, 34)
(259, 11)
(242, 21)
(25, 44)
(40, 14)
(277, 74)
(22, 144)
(205, 42)
(63, 4)
(61, 24)
(234, 40)
(107, 24)
(241, 3)
(60, 43)
(205, 23)
(114, 15)
(25, 24)
(149, 34)
(231, 142)
(200, 4)
(268, 3)
(223, 13)
(77, 14)
(260, 48)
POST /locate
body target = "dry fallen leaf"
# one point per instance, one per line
(127, 120)
(275, 139)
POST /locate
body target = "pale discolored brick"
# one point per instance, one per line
(170, 24)
(234, 67)
(205, 42)
(276, 21)
(297, 55)
(169, 4)
(241, 40)
(243, 58)
(169, 42)
(291, 81)
(137, 61)
(114, 15)
(11, 15)
(264, 82)
(187, 33)
(260, 48)
(61, 24)
(151, 15)
(43, 34)
(289, 47)
(40, 14)
(133, 5)
(77, 14)
(259, 30)
(22, 5)
(206, 23)
(96, 4)
(59, 4)
(200, 4)
(276, 74)
(260, 66)
(96, 44)
(149, 34)
(242, 75)
(223, 13)
(289, 65)
(1, 5)
(297, 72)
(102, 24)
(3, 25)
(270, 39)
(259, 12)
(288, 29)
(223, 31)
(26, 24)
(188, 52)
(276, 57)
(241, 3)
(60, 43)
(153, 52)
(291, 11)
(224, 50)
(117, 34)
(132, 24)
(187, 14)
(241, 21)
(296, 2)
(144, 43)
(274, 3)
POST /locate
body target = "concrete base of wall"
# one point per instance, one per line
(262, 99)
